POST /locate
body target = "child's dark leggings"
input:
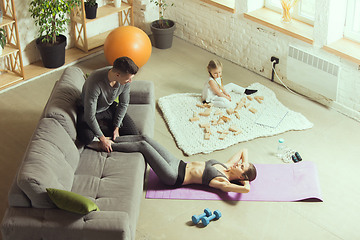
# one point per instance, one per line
(164, 164)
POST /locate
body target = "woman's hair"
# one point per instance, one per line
(250, 173)
(213, 64)
(124, 65)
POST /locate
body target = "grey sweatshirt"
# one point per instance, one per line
(97, 96)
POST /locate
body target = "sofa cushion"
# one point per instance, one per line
(50, 162)
(62, 104)
(71, 202)
(55, 224)
(113, 180)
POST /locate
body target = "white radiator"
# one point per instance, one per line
(314, 73)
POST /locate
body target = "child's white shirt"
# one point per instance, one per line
(208, 93)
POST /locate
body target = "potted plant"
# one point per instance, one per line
(52, 17)
(162, 29)
(2, 39)
(90, 9)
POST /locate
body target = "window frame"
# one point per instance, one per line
(222, 4)
(349, 23)
(295, 11)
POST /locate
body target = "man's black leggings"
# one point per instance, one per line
(105, 120)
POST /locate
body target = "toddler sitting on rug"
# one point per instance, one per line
(214, 90)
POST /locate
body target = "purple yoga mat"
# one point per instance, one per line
(274, 183)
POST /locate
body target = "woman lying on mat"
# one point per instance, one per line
(232, 176)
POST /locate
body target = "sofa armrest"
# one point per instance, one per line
(32, 223)
(142, 92)
(16, 197)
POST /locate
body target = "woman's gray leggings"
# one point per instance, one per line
(164, 164)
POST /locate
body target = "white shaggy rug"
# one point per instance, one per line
(270, 119)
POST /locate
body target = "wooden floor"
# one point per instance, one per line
(36, 69)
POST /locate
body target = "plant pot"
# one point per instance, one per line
(117, 3)
(53, 56)
(163, 35)
(90, 12)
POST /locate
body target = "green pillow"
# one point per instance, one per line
(71, 202)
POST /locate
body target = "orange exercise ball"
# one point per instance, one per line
(128, 41)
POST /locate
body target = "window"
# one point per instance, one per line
(303, 10)
(352, 25)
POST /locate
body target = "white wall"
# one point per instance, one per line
(251, 45)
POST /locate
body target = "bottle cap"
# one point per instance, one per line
(281, 140)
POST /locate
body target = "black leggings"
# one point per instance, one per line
(105, 120)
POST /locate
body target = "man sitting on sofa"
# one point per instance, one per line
(100, 118)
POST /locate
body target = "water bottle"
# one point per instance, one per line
(281, 147)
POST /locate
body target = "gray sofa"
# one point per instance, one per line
(55, 159)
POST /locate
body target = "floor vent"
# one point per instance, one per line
(313, 73)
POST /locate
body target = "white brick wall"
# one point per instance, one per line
(251, 45)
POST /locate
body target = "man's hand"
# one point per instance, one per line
(105, 144)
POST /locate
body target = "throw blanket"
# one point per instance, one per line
(270, 119)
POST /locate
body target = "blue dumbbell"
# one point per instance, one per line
(206, 220)
(196, 218)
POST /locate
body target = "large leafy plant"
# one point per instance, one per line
(52, 17)
(162, 7)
